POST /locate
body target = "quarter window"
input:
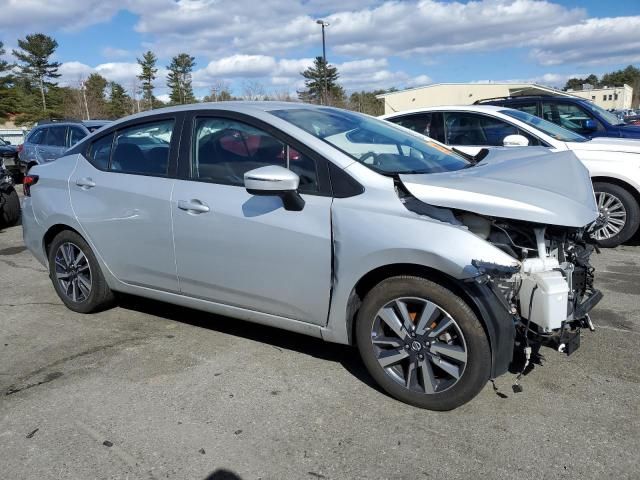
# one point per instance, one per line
(143, 149)
(38, 136)
(224, 150)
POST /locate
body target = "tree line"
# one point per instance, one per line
(29, 88)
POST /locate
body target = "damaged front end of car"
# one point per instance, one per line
(548, 291)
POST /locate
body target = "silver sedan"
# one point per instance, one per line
(441, 267)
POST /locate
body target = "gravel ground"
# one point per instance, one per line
(147, 390)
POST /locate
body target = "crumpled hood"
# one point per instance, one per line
(540, 187)
(607, 144)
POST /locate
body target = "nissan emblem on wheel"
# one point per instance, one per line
(443, 268)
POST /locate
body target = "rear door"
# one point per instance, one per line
(121, 197)
(247, 251)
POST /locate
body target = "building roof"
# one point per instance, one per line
(522, 86)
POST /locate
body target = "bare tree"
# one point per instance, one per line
(253, 90)
(220, 91)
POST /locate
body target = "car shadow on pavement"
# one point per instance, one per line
(222, 474)
(280, 339)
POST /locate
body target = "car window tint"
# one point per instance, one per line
(143, 149)
(429, 124)
(224, 150)
(75, 135)
(56, 136)
(566, 115)
(37, 137)
(531, 107)
(465, 128)
(101, 151)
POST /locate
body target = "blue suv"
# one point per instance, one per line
(573, 113)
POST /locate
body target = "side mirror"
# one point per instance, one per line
(590, 125)
(273, 180)
(515, 141)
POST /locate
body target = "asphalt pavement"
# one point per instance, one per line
(148, 390)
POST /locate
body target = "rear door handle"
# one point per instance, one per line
(193, 206)
(85, 183)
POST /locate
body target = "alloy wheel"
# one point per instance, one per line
(419, 345)
(613, 214)
(73, 272)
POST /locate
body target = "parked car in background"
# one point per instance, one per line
(613, 163)
(48, 141)
(9, 201)
(9, 156)
(272, 212)
(576, 114)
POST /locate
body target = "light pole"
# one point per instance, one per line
(323, 24)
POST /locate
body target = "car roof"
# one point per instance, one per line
(524, 98)
(475, 108)
(240, 106)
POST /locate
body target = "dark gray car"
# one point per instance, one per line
(48, 141)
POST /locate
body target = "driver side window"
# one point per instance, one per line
(224, 150)
(464, 128)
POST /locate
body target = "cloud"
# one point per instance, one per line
(590, 42)
(111, 52)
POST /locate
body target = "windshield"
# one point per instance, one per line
(551, 129)
(606, 116)
(377, 144)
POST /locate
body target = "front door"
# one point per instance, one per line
(121, 199)
(242, 250)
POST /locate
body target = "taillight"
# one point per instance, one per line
(28, 182)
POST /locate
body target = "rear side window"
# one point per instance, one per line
(101, 151)
(429, 124)
(530, 108)
(56, 136)
(143, 149)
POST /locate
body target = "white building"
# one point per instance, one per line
(459, 94)
(618, 98)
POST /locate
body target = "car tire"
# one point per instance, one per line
(606, 192)
(71, 263)
(9, 208)
(426, 384)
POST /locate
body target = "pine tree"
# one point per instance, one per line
(8, 93)
(36, 67)
(95, 87)
(321, 82)
(179, 79)
(147, 76)
(119, 101)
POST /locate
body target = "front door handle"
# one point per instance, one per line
(193, 206)
(85, 183)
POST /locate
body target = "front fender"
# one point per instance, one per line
(366, 239)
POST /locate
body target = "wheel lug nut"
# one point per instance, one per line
(406, 346)
(421, 356)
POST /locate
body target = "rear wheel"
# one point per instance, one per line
(76, 274)
(620, 212)
(422, 343)
(9, 208)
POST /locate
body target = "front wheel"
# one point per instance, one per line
(619, 211)
(9, 207)
(422, 343)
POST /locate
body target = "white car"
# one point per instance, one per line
(613, 163)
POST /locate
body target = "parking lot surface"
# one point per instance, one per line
(148, 390)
